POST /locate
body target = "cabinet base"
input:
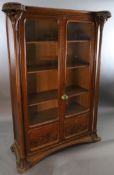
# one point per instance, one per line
(24, 164)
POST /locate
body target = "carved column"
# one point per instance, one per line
(14, 12)
(100, 19)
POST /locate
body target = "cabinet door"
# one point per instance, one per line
(79, 46)
(42, 43)
(42, 69)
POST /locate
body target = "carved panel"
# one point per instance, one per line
(76, 125)
(46, 135)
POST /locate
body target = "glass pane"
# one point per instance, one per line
(77, 82)
(78, 54)
(44, 112)
(77, 68)
(77, 105)
(41, 30)
(42, 70)
(79, 31)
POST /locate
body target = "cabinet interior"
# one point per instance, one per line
(42, 30)
(42, 69)
(79, 31)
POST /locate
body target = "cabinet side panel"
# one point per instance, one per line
(15, 87)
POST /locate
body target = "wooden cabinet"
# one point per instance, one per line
(54, 58)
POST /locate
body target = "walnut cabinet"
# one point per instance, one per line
(54, 60)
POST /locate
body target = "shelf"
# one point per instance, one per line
(75, 41)
(38, 42)
(41, 68)
(41, 97)
(73, 91)
(75, 109)
(77, 65)
(42, 117)
(38, 98)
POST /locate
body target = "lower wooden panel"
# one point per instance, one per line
(35, 157)
(76, 125)
(44, 136)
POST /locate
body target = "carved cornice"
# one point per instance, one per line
(13, 10)
(102, 17)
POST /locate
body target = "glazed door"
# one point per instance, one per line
(42, 65)
(59, 82)
(78, 77)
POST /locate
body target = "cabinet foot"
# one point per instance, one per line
(22, 169)
(22, 164)
(12, 148)
(96, 138)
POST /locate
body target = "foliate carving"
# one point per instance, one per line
(102, 16)
(44, 139)
(13, 10)
(74, 129)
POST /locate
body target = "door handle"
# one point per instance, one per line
(64, 97)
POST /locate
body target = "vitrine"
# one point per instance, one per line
(54, 60)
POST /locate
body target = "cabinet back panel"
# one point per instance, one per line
(79, 30)
(37, 55)
(78, 52)
(46, 105)
(42, 81)
(84, 100)
(78, 77)
(41, 29)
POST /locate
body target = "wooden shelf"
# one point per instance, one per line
(43, 117)
(75, 109)
(74, 91)
(38, 42)
(54, 42)
(81, 40)
(42, 97)
(41, 68)
(77, 65)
